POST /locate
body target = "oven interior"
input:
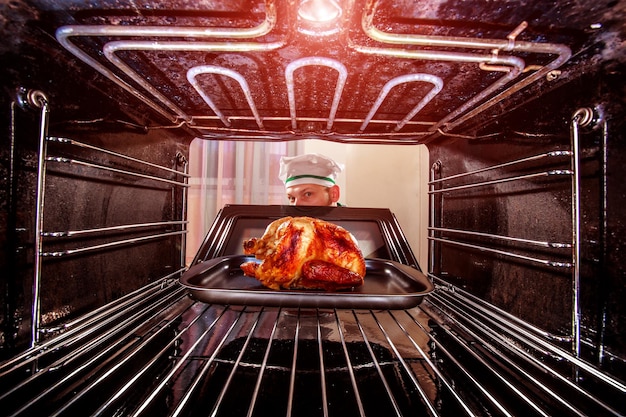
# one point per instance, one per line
(521, 106)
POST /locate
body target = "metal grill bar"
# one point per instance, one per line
(404, 363)
(426, 358)
(532, 242)
(103, 379)
(322, 367)
(91, 344)
(118, 171)
(377, 365)
(181, 362)
(555, 172)
(475, 381)
(185, 399)
(175, 357)
(96, 231)
(437, 219)
(226, 385)
(350, 367)
(74, 332)
(42, 170)
(292, 377)
(484, 342)
(257, 386)
(546, 262)
(490, 322)
(87, 348)
(551, 154)
(116, 243)
(68, 141)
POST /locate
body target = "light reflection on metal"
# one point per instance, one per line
(562, 54)
(38, 99)
(437, 86)
(319, 17)
(152, 39)
(319, 10)
(476, 103)
(212, 69)
(321, 61)
(111, 48)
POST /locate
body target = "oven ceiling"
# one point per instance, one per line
(389, 70)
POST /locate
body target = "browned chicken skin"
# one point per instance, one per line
(305, 253)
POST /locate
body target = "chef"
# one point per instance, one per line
(310, 180)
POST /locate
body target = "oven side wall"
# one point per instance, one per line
(84, 271)
(540, 208)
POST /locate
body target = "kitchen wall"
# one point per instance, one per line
(385, 176)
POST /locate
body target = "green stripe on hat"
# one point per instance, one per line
(297, 177)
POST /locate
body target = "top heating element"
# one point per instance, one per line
(268, 70)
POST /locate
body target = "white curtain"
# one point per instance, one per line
(231, 172)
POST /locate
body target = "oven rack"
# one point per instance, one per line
(529, 350)
(70, 243)
(157, 352)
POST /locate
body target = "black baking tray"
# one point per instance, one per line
(387, 285)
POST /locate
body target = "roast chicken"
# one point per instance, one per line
(305, 253)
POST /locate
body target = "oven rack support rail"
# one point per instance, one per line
(438, 235)
(177, 179)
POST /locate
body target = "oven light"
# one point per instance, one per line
(319, 17)
(319, 10)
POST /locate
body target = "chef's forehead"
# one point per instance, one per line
(301, 188)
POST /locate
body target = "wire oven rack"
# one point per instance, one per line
(157, 352)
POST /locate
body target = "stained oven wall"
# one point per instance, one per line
(84, 108)
(82, 197)
(540, 208)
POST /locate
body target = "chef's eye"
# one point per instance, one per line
(308, 194)
(291, 199)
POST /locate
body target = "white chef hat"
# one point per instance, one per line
(308, 169)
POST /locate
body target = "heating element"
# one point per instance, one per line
(164, 66)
